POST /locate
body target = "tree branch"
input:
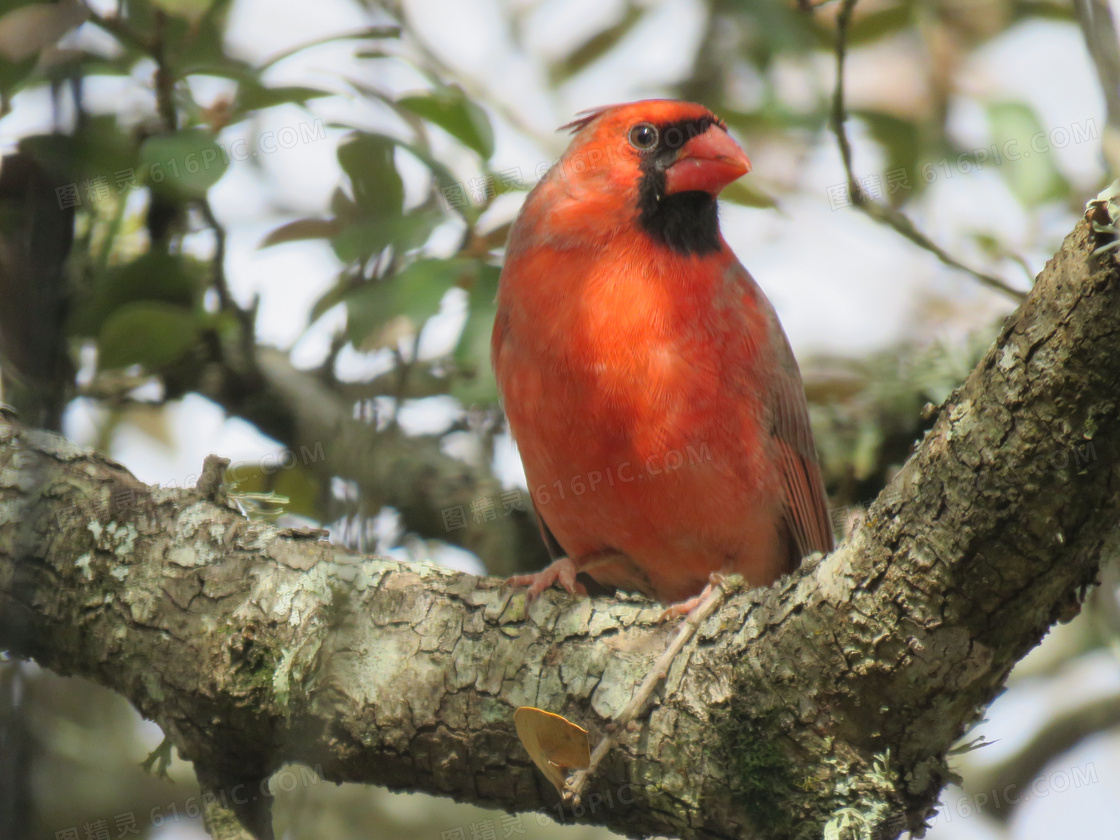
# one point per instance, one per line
(827, 700)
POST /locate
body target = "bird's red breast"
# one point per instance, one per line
(656, 403)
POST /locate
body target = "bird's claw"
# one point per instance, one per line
(685, 607)
(674, 611)
(562, 571)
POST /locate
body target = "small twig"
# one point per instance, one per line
(165, 78)
(882, 213)
(159, 760)
(838, 116)
(708, 602)
(1099, 31)
(899, 222)
(154, 47)
(213, 476)
(245, 317)
(327, 368)
(218, 269)
(404, 372)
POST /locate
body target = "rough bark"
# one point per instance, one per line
(828, 701)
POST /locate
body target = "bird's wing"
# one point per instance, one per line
(806, 512)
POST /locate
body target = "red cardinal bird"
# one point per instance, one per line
(654, 397)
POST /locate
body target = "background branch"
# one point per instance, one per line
(884, 213)
(1099, 31)
(1057, 736)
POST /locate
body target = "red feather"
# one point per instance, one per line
(658, 408)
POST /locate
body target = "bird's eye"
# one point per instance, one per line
(643, 137)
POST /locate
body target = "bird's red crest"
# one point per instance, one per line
(583, 118)
(666, 109)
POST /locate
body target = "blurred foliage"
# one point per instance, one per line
(148, 315)
(158, 311)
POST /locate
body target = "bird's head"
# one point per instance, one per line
(661, 161)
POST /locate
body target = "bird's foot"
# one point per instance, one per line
(674, 611)
(562, 570)
(685, 607)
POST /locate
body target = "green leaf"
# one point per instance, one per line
(225, 68)
(191, 10)
(150, 334)
(26, 30)
(1025, 154)
(474, 380)
(302, 229)
(200, 40)
(598, 46)
(182, 165)
(444, 177)
(343, 207)
(879, 23)
(14, 74)
(152, 277)
(415, 293)
(252, 96)
(451, 110)
(778, 30)
(899, 139)
(368, 161)
(335, 295)
(93, 155)
(363, 239)
(370, 33)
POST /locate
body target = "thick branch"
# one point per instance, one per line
(830, 698)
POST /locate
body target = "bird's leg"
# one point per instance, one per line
(698, 609)
(562, 570)
(685, 607)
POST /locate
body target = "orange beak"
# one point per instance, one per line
(707, 163)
